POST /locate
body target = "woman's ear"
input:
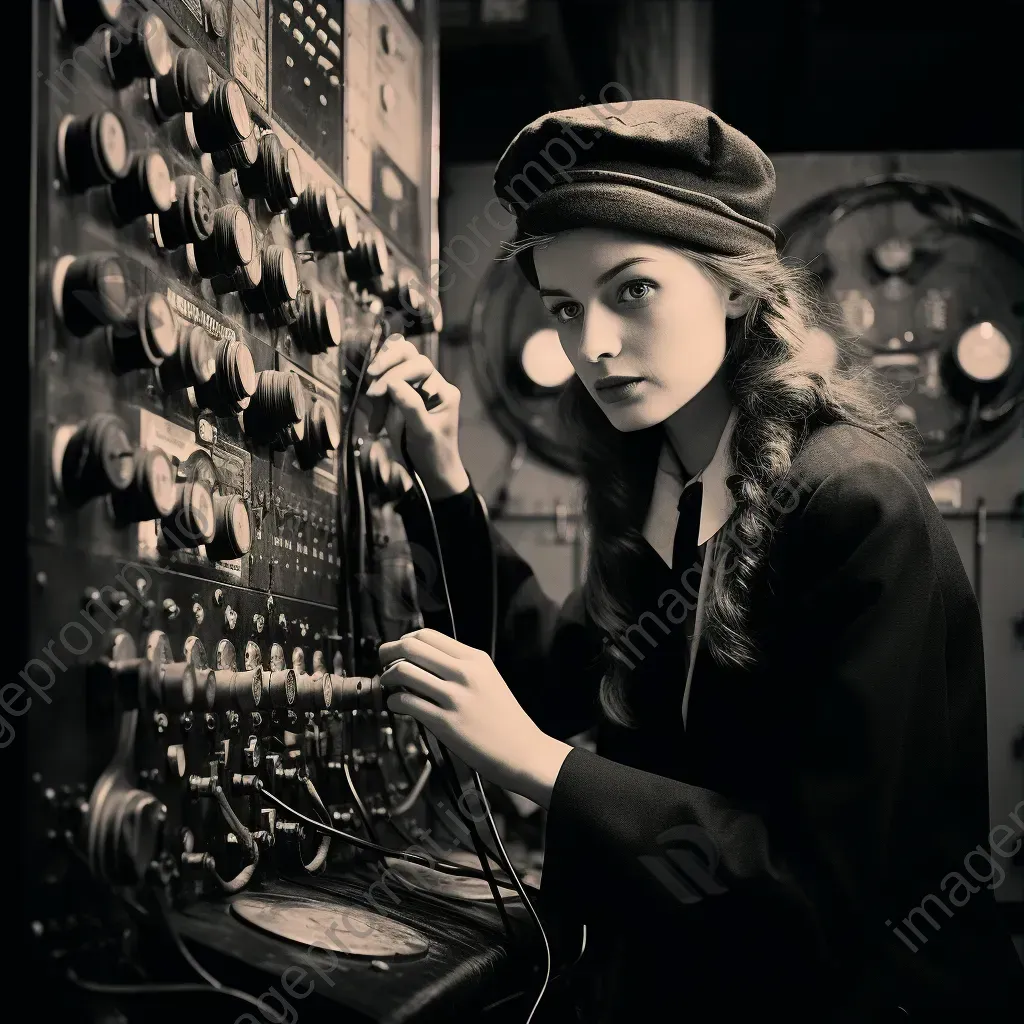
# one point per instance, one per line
(737, 304)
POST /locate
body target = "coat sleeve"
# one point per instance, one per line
(870, 614)
(546, 652)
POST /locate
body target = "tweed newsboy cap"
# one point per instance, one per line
(665, 168)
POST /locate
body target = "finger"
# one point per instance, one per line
(410, 403)
(431, 658)
(415, 370)
(396, 354)
(422, 710)
(443, 642)
(392, 351)
(405, 674)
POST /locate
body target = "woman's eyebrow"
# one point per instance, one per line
(603, 278)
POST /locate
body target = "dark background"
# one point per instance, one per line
(795, 75)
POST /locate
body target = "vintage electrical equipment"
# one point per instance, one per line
(214, 217)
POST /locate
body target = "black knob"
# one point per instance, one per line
(242, 154)
(322, 434)
(343, 237)
(428, 319)
(231, 244)
(233, 536)
(190, 217)
(408, 308)
(176, 683)
(146, 338)
(282, 688)
(143, 51)
(93, 458)
(89, 291)
(276, 175)
(145, 188)
(368, 260)
(91, 150)
(279, 281)
(224, 119)
(317, 212)
(279, 403)
(238, 691)
(191, 521)
(186, 87)
(318, 324)
(233, 382)
(241, 279)
(191, 364)
(151, 493)
(80, 18)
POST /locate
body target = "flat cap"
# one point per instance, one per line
(666, 168)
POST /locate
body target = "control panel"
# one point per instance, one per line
(233, 206)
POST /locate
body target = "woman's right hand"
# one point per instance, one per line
(432, 436)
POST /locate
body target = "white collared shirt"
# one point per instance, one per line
(717, 502)
(717, 505)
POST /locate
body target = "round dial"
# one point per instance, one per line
(93, 458)
(145, 188)
(146, 54)
(90, 291)
(233, 531)
(91, 150)
(222, 121)
(151, 494)
(190, 217)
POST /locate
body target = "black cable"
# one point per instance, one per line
(507, 862)
(158, 988)
(344, 528)
(437, 865)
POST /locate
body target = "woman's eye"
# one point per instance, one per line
(571, 309)
(629, 292)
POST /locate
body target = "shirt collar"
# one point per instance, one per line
(717, 503)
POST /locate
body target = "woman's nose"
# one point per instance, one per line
(599, 339)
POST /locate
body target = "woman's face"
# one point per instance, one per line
(628, 308)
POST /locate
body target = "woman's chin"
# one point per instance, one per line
(637, 416)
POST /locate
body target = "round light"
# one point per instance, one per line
(983, 352)
(894, 255)
(543, 360)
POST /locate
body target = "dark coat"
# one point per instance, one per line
(803, 844)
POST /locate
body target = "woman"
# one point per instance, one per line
(782, 658)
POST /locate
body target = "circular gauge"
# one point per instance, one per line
(158, 181)
(893, 256)
(200, 505)
(160, 481)
(544, 361)
(240, 528)
(983, 352)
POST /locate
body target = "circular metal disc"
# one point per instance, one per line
(349, 930)
(460, 887)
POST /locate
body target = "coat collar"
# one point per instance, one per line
(717, 503)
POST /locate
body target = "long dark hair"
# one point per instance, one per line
(783, 383)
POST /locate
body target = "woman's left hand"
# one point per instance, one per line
(458, 694)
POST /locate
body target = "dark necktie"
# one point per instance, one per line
(684, 544)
